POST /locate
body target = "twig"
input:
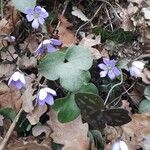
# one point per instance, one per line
(121, 94)
(2, 13)
(89, 21)
(9, 132)
(110, 22)
(142, 56)
(63, 12)
(121, 81)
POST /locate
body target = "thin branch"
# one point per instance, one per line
(9, 132)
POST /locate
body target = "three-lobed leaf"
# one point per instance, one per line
(22, 5)
(71, 67)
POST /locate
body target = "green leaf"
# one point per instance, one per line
(66, 108)
(123, 64)
(73, 73)
(119, 36)
(22, 5)
(89, 88)
(144, 106)
(147, 92)
(8, 113)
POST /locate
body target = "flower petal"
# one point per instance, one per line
(18, 84)
(111, 74)
(43, 13)
(103, 73)
(56, 42)
(22, 79)
(41, 20)
(29, 11)
(51, 91)
(35, 24)
(116, 71)
(106, 61)
(42, 94)
(29, 17)
(51, 48)
(102, 66)
(41, 103)
(38, 9)
(49, 99)
(16, 76)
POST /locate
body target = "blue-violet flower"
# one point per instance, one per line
(17, 80)
(37, 15)
(120, 145)
(48, 46)
(109, 68)
(45, 95)
(136, 68)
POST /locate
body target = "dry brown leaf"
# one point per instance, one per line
(10, 97)
(27, 63)
(1, 120)
(88, 42)
(35, 115)
(137, 132)
(66, 35)
(6, 25)
(125, 105)
(6, 70)
(39, 129)
(28, 97)
(72, 135)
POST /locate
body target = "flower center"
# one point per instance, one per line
(109, 68)
(36, 15)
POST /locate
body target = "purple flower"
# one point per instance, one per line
(37, 15)
(120, 145)
(109, 68)
(45, 95)
(136, 68)
(17, 80)
(48, 46)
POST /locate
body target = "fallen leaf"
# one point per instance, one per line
(10, 97)
(35, 115)
(125, 105)
(28, 97)
(88, 42)
(6, 70)
(137, 132)
(66, 35)
(1, 120)
(78, 13)
(39, 129)
(72, 135)
(27, 63)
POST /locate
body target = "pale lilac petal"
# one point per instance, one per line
(102, 66)
(29, 11)
(116, 71)
(41, 103)
(51, 48)
(35, 24)
(44, 13)
(56, 42)
(42, 94)
(22, 79)
(51, 91)
(38, 9)
(16, 76)
(112, 63)
(134, 71)
(29, 17)
(41, 20)
(19, 84)
(49, 99)
(103, 73)
(106, 61)
(111, 74)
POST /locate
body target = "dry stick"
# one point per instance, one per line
(63, 12)
(89, 21)
(7, 136)
(2, 13)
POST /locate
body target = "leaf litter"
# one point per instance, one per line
(135, 16)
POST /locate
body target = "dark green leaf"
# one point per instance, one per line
(147, 92)
(144, 106)
(8, 113)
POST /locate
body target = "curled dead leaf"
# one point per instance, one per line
(1, 120)
(35, 115)
(39, 129)
(73, 135)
